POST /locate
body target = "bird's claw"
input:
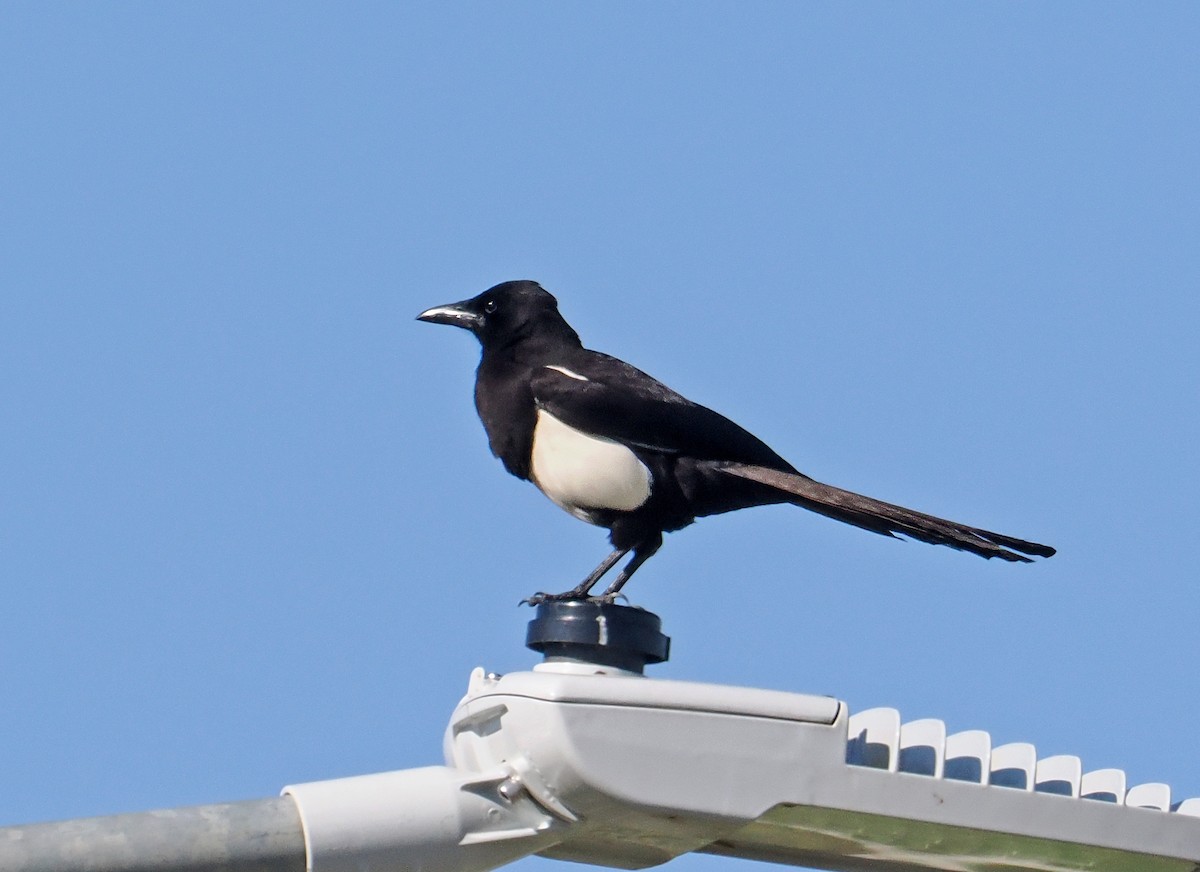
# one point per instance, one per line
(540, 597)
(571, 596)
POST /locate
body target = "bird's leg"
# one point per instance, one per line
(641, 554)
(581, 590)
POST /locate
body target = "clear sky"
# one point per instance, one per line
(944, 254)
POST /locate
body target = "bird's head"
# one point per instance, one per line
(501, 314)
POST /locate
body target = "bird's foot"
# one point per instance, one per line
(540, 597)
(575, 595)
(609, 598)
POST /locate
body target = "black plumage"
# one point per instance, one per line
(621, 450)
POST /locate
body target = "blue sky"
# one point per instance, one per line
(250, 533)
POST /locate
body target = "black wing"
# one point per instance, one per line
(603, 396)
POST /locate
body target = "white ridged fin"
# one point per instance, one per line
(1103, 785)
(874, 739)
(1013, 765)
(968, 756)
(877, 739)
(1060, 775)
(1153, 794)
(923, 747)
(1188, 807)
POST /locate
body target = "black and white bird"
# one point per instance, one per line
(619, 449)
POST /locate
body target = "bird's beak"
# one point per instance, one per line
(454, 314)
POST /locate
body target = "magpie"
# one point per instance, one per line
(619, 449)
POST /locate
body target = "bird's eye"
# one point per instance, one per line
(490, 306)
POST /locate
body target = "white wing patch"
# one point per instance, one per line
(581, 472)
(567, 372)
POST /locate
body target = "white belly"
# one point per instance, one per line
(581, 472)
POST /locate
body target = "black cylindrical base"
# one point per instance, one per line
(603, 633)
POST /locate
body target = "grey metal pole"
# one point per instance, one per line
(260, 835)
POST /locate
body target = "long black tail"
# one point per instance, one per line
(885, 518)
